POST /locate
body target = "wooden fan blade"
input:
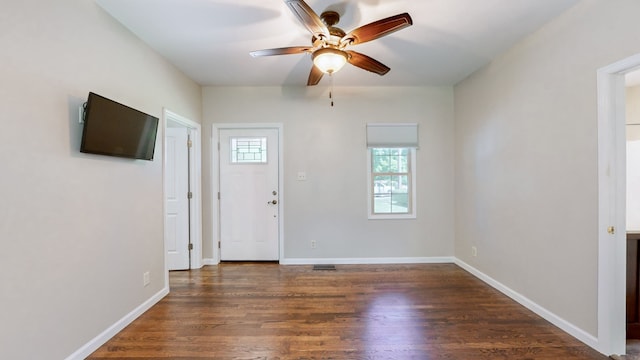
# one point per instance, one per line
(281, 51)
(377, 29)
(314, 76)
(367, 63)
(308, 18)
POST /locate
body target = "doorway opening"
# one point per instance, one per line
(182, 193)
(632, 132)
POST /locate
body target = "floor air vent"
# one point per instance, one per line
(324, 267)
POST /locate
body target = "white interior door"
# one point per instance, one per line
(176, 190)
(249, 199)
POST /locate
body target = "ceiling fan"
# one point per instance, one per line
(329, 43)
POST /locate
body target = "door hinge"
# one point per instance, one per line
(189, 143)
(189, 195)
(218, 146)
(219, 244)
(218, 195)
(190, 246)
(611, 230)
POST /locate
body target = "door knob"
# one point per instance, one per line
(272, 202)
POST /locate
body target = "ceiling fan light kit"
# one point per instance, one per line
(329, 60)
(329, 43)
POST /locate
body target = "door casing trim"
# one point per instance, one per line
(612, 205)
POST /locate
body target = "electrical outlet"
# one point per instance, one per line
(313, 244)
(474, 251)
(302, 176)
(146, 278)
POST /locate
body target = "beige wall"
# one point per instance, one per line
(526, 159)
(77, 230)
(328, 143)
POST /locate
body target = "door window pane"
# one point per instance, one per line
(248, 150)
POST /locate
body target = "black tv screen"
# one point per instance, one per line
(113, 129)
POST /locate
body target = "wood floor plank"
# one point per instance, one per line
(268, 311)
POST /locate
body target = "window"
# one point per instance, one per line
(391, 182)
(249, 150)
(391, 170)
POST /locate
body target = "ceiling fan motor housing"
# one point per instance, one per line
(330, 18)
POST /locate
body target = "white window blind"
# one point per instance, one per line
(392, 135)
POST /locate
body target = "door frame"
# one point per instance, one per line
(215, 180)
(612, 205)
(195, 169)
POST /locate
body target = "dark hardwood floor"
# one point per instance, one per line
(268, 311)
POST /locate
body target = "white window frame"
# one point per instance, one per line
(412, 214)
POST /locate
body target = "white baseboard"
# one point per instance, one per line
(564, 325)
(209, 262)
(110, 332)
(357, 261)
(366, 261)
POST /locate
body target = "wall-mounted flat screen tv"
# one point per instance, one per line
(113, 129)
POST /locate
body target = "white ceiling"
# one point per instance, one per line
(210, 40)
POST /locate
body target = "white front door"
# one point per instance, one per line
(249, 199)
(176, 190)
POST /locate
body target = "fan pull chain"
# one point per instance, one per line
(331, 90)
